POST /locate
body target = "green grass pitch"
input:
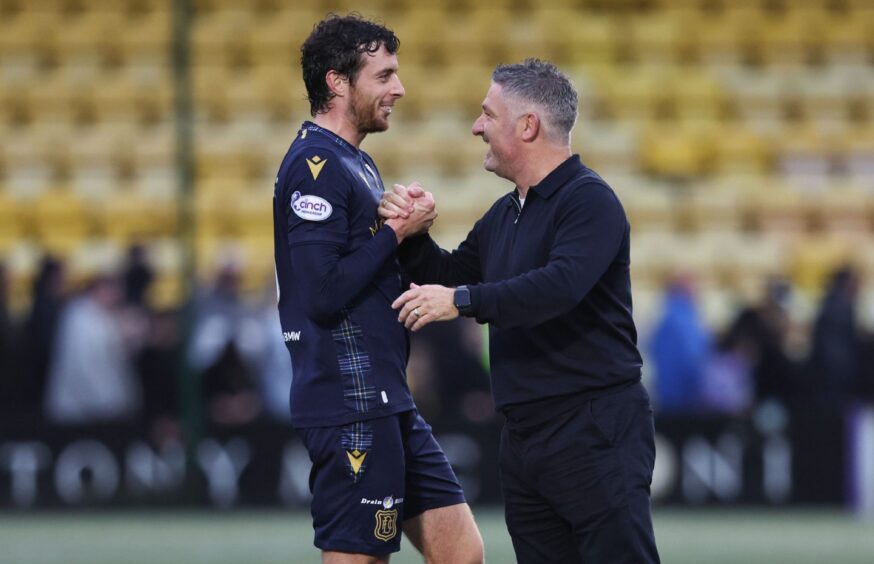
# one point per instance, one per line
(684, 537)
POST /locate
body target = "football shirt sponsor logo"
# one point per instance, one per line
(310, 207)
(316, 163)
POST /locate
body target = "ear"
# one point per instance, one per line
(530, 127)
(337, 83)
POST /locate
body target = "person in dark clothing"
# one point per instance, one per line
(38, 335)
(138, 276)
(837, 344)
(377, 468)
(759, 335)
(547, 267)
(8, 368)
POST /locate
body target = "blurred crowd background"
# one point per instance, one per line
(139, 141)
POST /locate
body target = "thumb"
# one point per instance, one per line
(413, 285)
(415, 190)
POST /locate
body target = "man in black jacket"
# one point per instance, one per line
(547, 267)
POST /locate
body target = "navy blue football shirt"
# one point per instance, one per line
(337, 276)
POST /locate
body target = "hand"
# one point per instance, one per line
(421, 305)
(410, 219)
(402, 200)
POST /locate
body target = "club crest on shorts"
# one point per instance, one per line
(386, 524)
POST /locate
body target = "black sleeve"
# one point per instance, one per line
(427, 263)
(333, 280)
(590, 228)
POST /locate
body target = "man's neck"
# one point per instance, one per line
(539, 165)
(337, 123)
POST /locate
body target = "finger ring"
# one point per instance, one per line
(416, 312)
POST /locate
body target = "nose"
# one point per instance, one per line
(398, 88)
(477, 128)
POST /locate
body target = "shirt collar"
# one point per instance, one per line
(310, 126)
(558, 177)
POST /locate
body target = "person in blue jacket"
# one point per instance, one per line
(377, 469)
(547, 267)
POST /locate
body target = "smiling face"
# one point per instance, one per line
(375, 91)
(498, 126)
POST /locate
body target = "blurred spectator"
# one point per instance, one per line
(224, 348)
(138, 276)
(91, 379)
(759, 336)
(680, 351)
(158, 367)
(38, 334)
(273, 363)
(448, 377)
(8, 374)
(837, 346)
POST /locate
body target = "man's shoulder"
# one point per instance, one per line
(311, 160)
(588, 185)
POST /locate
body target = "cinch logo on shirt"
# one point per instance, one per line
(310, 207)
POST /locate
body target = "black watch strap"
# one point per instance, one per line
(462, 300)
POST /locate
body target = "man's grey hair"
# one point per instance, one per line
(541, 83)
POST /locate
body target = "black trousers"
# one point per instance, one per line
(577, 483)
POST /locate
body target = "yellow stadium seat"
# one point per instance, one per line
(760, 97)
(275, 40)
(11, 224)
(589, 39)
(26, 34)
(779, 210)
(740, 150)
(220, 38)
(480, 36)
(637, 96)
(858, 154)
(793, 39)
(89, 38)
(846, 210)
(668, 152)
(806, 156)
(651, 210)
(814, 258)
(423, 33)
(657, 38)
(713, 210)
(697, 95)
(147, 39)
(127, 217)
(848, 37)
(61, 220)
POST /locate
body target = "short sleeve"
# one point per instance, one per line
(316, 197)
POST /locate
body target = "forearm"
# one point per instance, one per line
(333, 281)
(427, 263)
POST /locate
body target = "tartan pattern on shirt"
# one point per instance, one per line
(358, 394)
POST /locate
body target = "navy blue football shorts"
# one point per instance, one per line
(370, 476)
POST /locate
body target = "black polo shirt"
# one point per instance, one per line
(551, 278)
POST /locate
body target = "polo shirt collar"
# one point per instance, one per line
(558, 177)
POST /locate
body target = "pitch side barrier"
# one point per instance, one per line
(798, 457)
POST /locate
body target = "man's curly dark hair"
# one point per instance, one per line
(337, 43)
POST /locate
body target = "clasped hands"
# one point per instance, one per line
(413, 211)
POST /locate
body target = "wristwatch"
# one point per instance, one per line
(462, 300)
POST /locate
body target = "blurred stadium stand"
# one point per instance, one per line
(738, 133)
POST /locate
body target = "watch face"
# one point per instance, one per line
(462, 297)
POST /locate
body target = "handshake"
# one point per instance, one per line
(408, 210)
